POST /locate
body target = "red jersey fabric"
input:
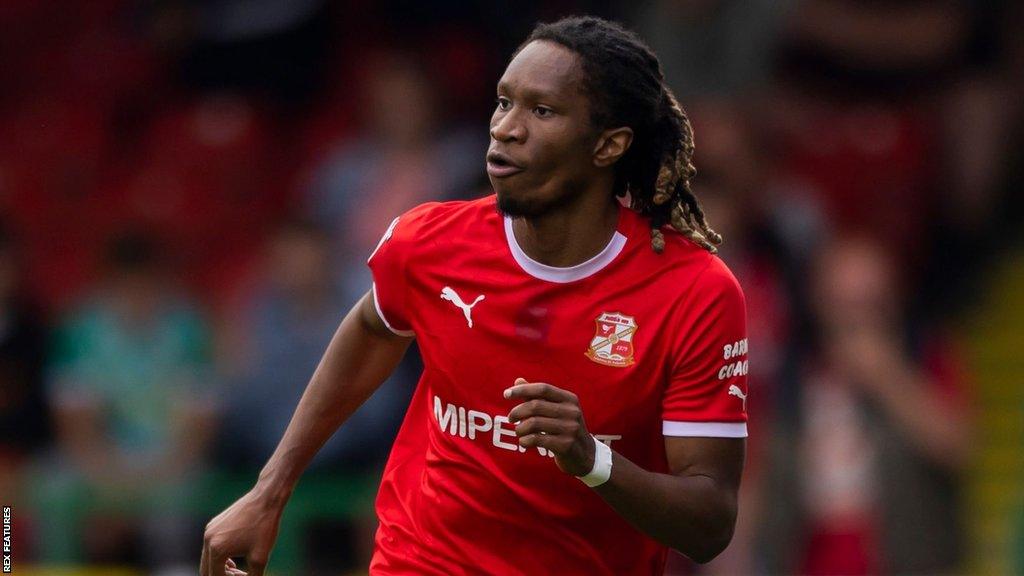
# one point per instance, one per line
(653, 345)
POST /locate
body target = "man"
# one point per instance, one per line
(533, 308)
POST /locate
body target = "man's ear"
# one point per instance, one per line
(611, 145)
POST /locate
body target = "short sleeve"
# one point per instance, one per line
(707, 390)
(389, 265)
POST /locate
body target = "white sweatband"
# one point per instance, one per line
(602, 469)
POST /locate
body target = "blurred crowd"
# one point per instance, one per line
(189, 190)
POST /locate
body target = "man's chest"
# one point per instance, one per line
(605, 341)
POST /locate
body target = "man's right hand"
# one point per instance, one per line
(245, 529)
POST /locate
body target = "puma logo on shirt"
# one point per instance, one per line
(447, 293)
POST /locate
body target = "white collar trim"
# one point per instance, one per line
(563, 275)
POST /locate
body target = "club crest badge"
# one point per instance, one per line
(612, 344)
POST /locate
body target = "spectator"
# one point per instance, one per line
(896, 116)
(277, 342)
(134, 406)
(401, 159)
(870, 473)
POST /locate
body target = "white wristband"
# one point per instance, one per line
(602, 469)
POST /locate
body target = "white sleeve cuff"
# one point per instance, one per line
(704, 429)
(376, 305)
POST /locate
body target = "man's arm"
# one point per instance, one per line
(693, 509)
(361, 355)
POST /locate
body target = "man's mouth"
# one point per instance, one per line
(501, 166)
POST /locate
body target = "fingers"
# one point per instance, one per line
(555, 443)
(218, 563)
(550, 418)
(546, 426)
(214, 562)
(525, 390)
(544, 408)
(549, 433)
(547, 411)
(232, 569)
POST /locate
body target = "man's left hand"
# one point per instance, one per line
(551, 418)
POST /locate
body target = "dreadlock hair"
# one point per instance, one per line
(627, 87)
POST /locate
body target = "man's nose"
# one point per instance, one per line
(508, 129)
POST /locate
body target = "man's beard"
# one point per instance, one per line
(517, 208)
(533, 207)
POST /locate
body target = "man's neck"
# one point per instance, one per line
(570, 235)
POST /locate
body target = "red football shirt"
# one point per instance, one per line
(653, 345)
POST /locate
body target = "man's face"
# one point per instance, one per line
(540, 157)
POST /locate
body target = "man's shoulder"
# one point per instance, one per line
(429, 223)
(689, 269)
(710, 281)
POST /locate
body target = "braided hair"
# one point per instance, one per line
(627, 87)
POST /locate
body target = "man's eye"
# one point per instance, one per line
(543, 112)
(503, 103)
